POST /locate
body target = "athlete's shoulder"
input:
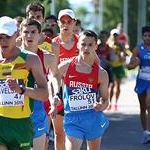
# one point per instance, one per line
(29, 55)
(64, 66)
(27, 52)
(103, 75)
(56, 39)
(48, 55)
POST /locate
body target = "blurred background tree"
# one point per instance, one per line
(15, 8)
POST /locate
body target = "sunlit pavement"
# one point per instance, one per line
(128, 102)
(124, 132)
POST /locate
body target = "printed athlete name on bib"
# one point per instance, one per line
(144, 73)
(82, 97)
(9, 97)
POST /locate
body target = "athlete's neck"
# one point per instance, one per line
(66, 39)
(9, 57)
(33, 49)
(86, 61)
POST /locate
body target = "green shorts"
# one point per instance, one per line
(16, 134)
(119, 72)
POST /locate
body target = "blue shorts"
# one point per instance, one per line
(141, 86)
(40, 120)
(89, 125)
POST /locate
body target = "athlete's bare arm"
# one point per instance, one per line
(63, 67)
(103, 81)
(134, 61)
(55, 48)
(35, 66)
(50, 61)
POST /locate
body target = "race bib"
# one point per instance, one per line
(9, 97)
(79, 102)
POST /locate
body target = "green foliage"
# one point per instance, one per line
(81, 11)
(148, 12)
(113, 12)
(15, 8)
(12, 8)
(132, 22)
(61, 4)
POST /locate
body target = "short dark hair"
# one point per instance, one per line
(46, 27)
(89, 33)
(78, 22)
(30, 22)
(104, 32)
(145, 29)
(51, 17)
(35, 6)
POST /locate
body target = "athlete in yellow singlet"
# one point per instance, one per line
(18, 70)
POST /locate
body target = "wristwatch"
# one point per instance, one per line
(23, 89)
(58, 95)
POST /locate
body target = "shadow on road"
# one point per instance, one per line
(124, 133)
